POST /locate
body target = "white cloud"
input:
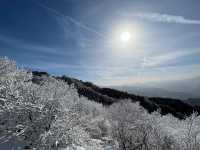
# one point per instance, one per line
(167, 57)
(157, 17)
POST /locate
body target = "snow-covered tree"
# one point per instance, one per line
(134, 128)
(42, 116)
(50, 115)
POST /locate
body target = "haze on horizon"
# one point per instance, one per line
(106, 42)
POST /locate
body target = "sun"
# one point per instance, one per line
(125, 36)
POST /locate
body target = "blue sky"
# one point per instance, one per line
(80, 38)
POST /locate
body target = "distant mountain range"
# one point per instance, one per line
(190, 86)
(153, 92)
(180, 89)
(108, 96)
(193, 101)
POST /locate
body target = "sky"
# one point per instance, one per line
(81, 38)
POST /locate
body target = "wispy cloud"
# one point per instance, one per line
(72, 20)
(97, 68)
(164, 59)
(21, 44)
(153, 75)
(166, 18)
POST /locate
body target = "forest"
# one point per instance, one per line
(52, 115)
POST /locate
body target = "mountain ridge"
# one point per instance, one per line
(108, 96)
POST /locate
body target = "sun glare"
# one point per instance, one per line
(125, 36)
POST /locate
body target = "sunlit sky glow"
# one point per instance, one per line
(125, 36)
(111, 42)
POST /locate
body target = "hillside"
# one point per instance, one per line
(108, 96)
(40, 111)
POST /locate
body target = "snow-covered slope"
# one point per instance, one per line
(52, 115)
